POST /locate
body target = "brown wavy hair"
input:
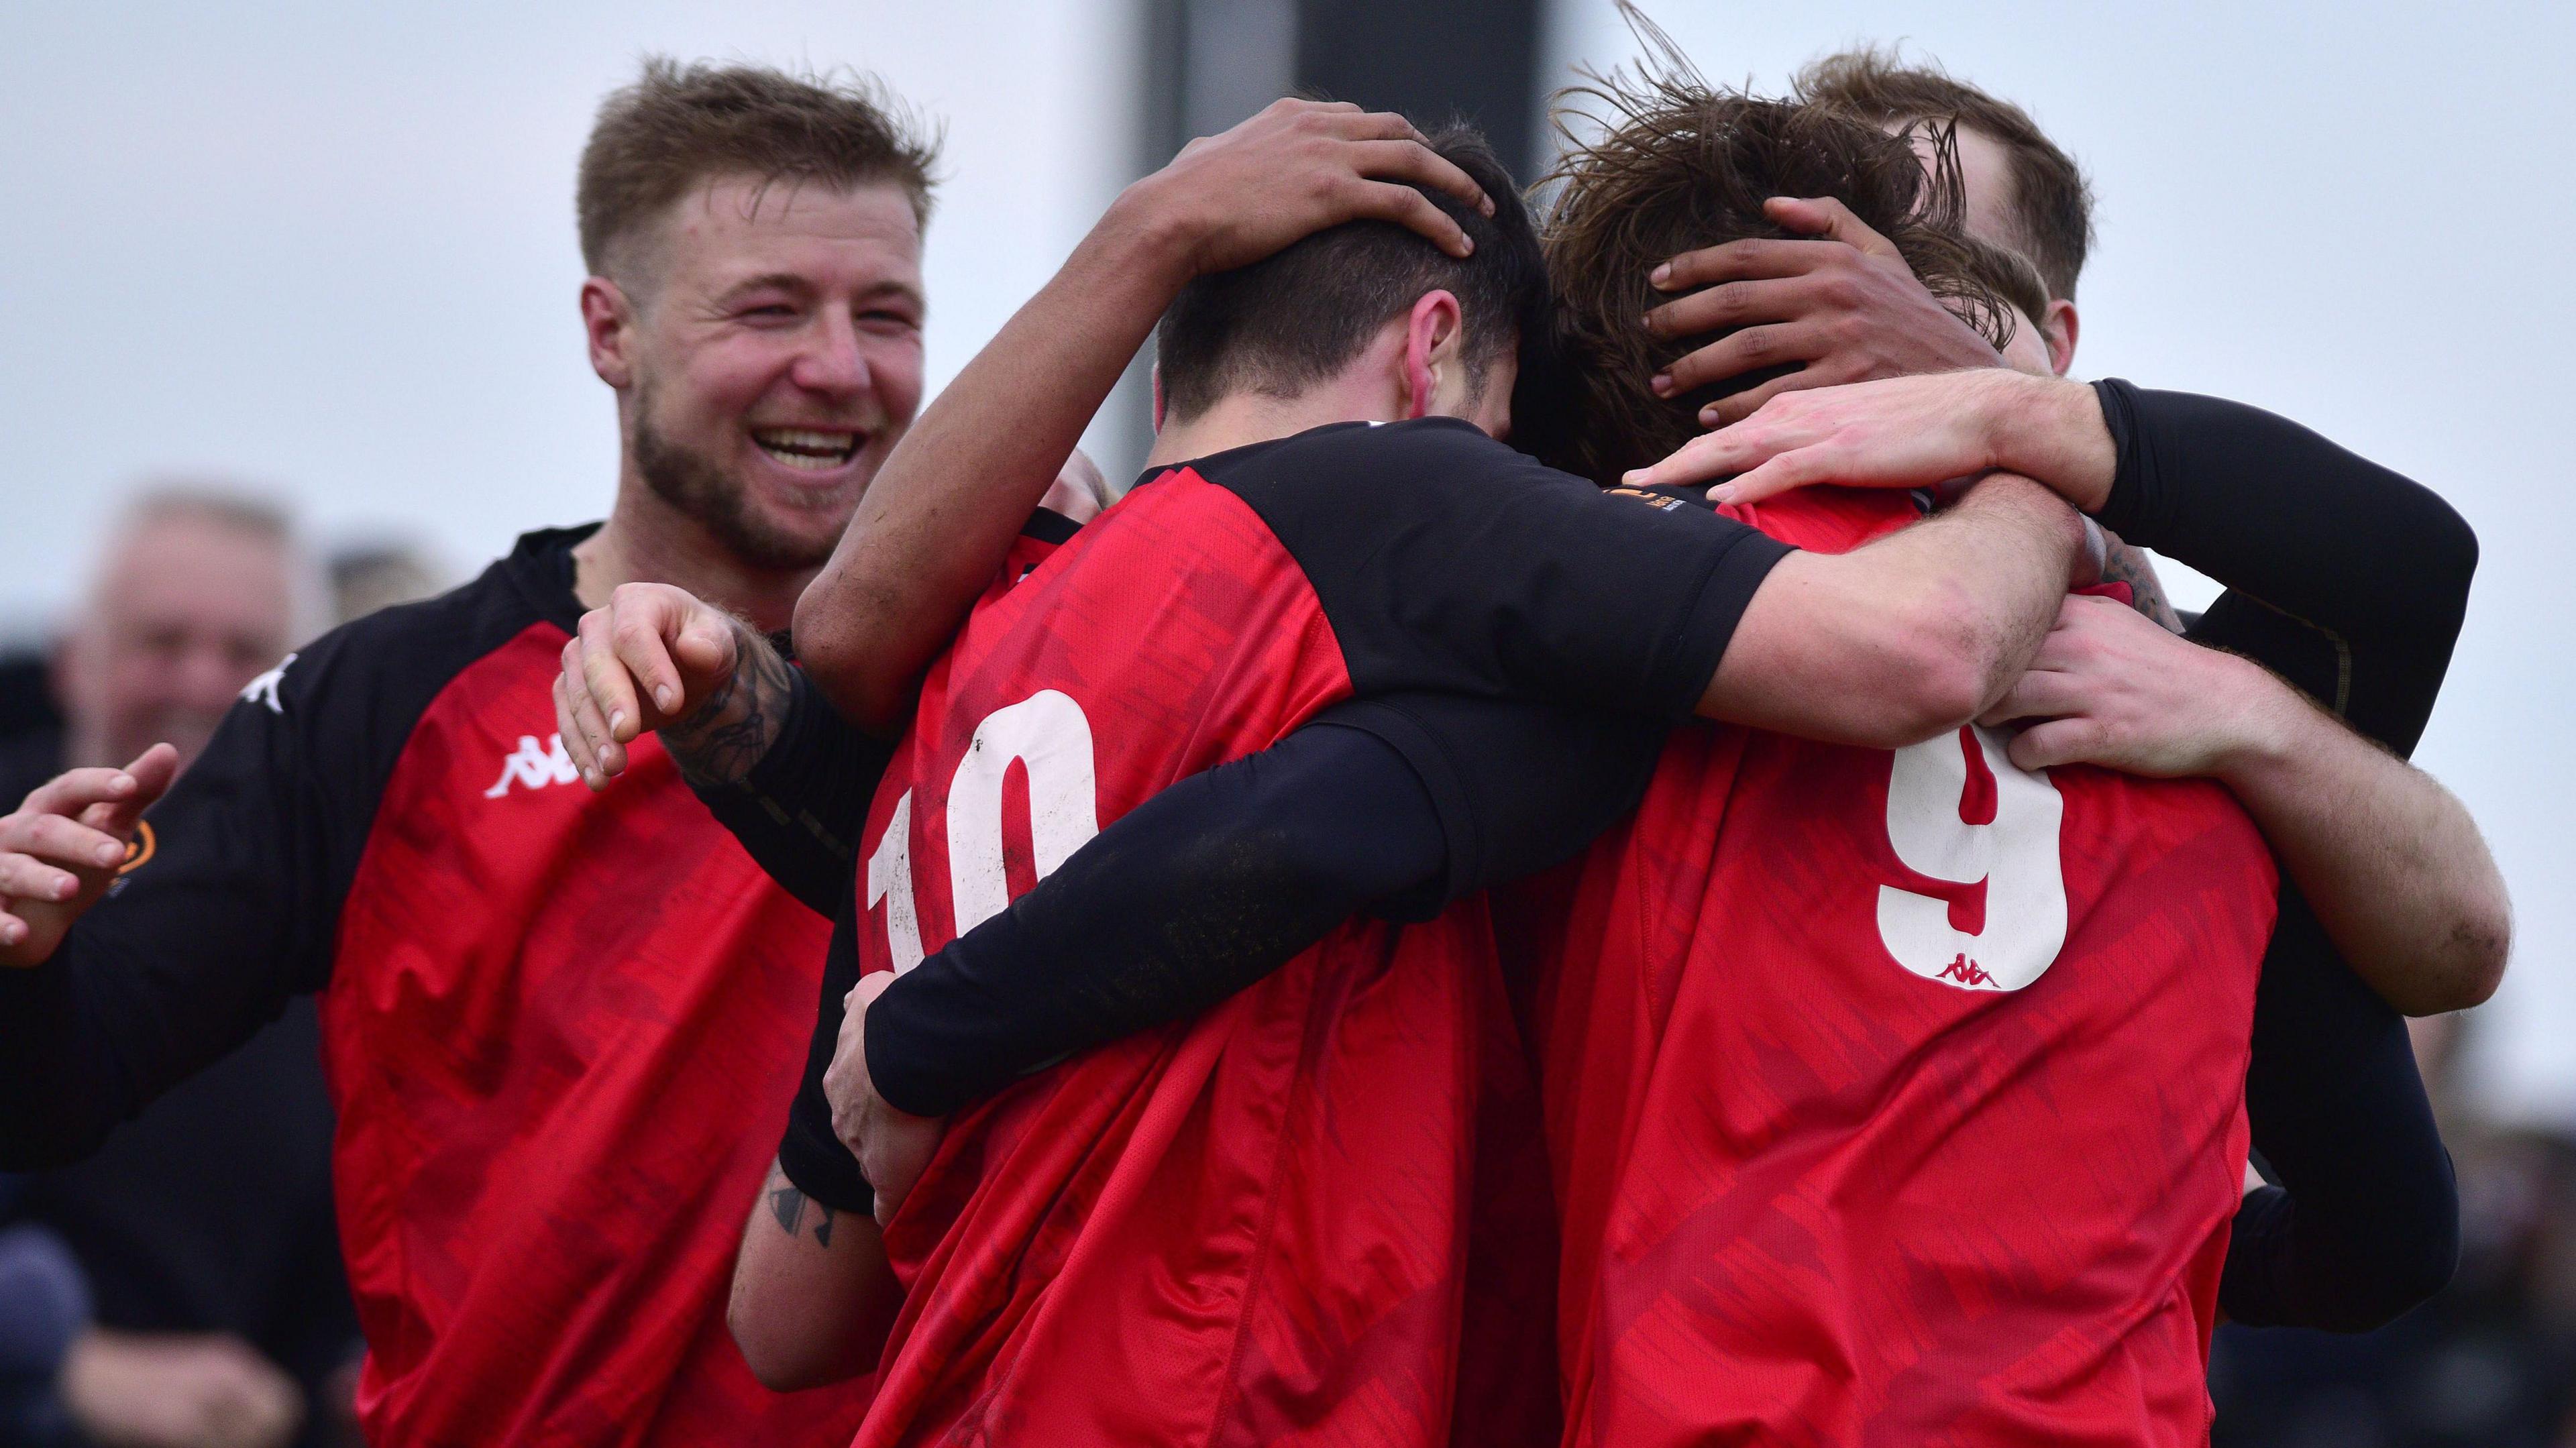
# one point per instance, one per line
(2052, 203)
(679, 126)
(1658, 162)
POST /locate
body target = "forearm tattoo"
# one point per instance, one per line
(2126, 564)
(724, 737)
(789, 1205)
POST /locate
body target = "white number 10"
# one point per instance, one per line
(1049, 734)
(1944, 823)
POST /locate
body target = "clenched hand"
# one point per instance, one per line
(893, 1147)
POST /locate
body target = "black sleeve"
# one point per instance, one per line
(1448, 563)
(810, 1153)
(2350, 582)
(799, 811)
(1396, 805)
(231, 912)
(2343, 577)
(2365, 1221)
(232, 902)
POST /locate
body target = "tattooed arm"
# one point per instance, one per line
(731, 730)
(654, 657)
(812, 1298)
(751, 734)
(2124, 562)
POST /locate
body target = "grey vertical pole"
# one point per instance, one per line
(1211, 63)
(1431, 59)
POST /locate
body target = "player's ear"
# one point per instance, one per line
(1434, 350)
(608, 322)
(2059, 328)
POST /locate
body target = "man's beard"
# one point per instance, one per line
(694, 485)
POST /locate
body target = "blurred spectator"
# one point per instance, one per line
(199, 593)
(183, 1287)
(371, 576)
(2490, 1363)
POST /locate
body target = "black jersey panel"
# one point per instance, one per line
(1519, 787)
(2343, 576)
(1446, 561)
(235, 902)
(810, 1153)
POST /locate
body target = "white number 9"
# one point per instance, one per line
(1959, 810)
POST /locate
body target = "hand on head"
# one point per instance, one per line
(1901, 432)
(62, 847)
(1302, 166)
(893, 1147)
(1843, 307)
(652, 655)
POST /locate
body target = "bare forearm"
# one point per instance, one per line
(1909, 637)
(942, 512)
(813, 1298)
(2006, 552)
(2125, 563)
(2392, 863)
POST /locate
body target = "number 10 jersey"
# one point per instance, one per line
(1318, 1213)
(1897, 1098)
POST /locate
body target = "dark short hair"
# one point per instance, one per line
(1671, 164)
(679, 126)
(1296, 317)
(2052, 204)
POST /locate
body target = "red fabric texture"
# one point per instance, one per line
(1254, 1228)
(1814, 1195)
(561, 1033)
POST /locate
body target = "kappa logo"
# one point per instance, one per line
(263, 690)
(534, 766)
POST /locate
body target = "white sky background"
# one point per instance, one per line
(2355, 215)
(330, 248)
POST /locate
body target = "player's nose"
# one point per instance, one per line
(832, 362)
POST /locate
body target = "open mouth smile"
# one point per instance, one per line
(808, 449)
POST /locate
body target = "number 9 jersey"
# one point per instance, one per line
(1316, 1214)
(1897, 1097)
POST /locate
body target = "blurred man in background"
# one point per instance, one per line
(183, 1287)
(198, 592)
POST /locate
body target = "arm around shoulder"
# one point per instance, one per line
(2392, 862)
(1909, 637)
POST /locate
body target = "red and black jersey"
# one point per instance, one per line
(1898, 1096)
(555, 1024)
(1256, 1227)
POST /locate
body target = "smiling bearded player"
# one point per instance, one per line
(542, 1011)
